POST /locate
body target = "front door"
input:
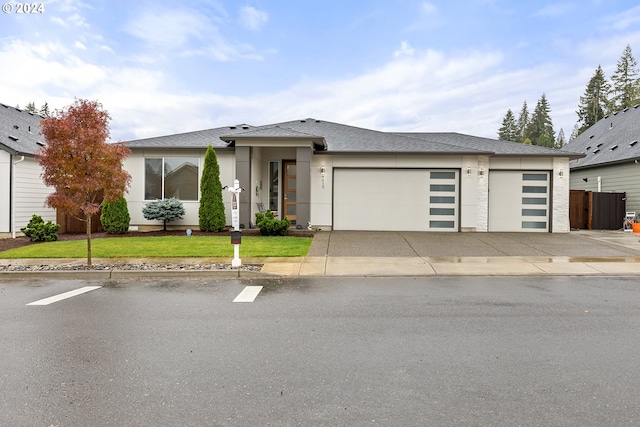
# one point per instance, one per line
(289, 179)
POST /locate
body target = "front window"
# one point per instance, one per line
(171, 177)
(273, 186)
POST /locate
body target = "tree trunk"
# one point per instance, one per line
(88, 222)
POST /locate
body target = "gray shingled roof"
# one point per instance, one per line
(613, 139)
(342, 138)
(19, 131)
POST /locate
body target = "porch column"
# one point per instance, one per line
(243, 174)
(303, 186)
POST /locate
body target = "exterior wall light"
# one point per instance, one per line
(561, 173)
(481, 172)
(322, 170)
(468, 170)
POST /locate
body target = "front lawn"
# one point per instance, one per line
(165, 247)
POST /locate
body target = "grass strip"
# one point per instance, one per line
(165, 246)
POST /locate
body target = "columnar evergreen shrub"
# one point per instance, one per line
(211, 211)
(39, 231)
(165, 210)
(270, 225)
(115, 216)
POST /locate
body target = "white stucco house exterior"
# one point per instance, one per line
(335, 176)
(22, 192)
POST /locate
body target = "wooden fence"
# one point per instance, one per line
(589, 210)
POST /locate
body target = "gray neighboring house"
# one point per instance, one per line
(611, 161)
(335, 176)
(22, 192)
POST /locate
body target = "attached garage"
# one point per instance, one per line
(519, 201)
(395, 199)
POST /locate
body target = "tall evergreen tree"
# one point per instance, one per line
(540, 129)
(211, 212)
(523, 123)
(593, 103)
(574, 133)
(44, 110)
(561, 141)
(509, 130)
(625, 82)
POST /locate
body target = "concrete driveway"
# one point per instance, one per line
(435, 245)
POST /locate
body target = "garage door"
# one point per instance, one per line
(395, 199)
(519, 201)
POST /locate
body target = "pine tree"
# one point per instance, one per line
(523, 123)
(593, 103)
(211, 212)
(540, 129)
(574, 133)
(44, 110)
(625, 82)
(31, 107)
(509, 130)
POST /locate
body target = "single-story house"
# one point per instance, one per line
(334, 176)
(611, 161)
(22, 192)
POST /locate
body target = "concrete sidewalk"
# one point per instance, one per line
(363, 253)
(343, 253)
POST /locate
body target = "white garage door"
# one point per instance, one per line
(519, 201)
(395, 199)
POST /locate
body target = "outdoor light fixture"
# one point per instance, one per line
(481, 172)
(468, 170)
(322, 170)
(561, 173)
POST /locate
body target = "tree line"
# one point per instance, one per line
(601, 97)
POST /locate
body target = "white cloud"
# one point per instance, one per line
(79, 45)
(168, 29)
(428, 8)
(252, 18)
(405, 50)
(555, 10)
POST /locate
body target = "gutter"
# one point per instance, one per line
(12, 201)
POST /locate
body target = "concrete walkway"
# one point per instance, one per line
(363, 253)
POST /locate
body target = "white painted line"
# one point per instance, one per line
(65, 295)
(248, 294)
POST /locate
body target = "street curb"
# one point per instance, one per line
(131, 274)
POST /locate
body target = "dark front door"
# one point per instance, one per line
(289, 189)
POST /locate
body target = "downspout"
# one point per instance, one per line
(13, 196)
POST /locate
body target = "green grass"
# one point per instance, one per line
(166, 246)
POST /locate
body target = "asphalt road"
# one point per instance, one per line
(443, 351)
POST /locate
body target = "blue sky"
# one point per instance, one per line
(162, 67)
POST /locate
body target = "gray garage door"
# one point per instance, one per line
(395, 199)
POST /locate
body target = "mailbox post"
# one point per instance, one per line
(236, 234)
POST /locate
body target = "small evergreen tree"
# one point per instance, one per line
(211, 211)
(115, 216)
(165, 210)
(31, 107)
(39, 231)
(509, 129)
(561, 141)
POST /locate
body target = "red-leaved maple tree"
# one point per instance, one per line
(79, 163)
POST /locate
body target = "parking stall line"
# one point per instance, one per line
(60, 297)
(248, 294)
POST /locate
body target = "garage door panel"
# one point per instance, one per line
(519, 201)
(394, 199)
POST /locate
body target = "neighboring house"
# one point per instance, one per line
(612, 157)
(330, 175)
(22, 192)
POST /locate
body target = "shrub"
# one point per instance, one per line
(115, 217)
(165, 210)
(271, 226)
(211, 212)
(39, 231)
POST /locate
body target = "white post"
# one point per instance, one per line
(235, 220)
